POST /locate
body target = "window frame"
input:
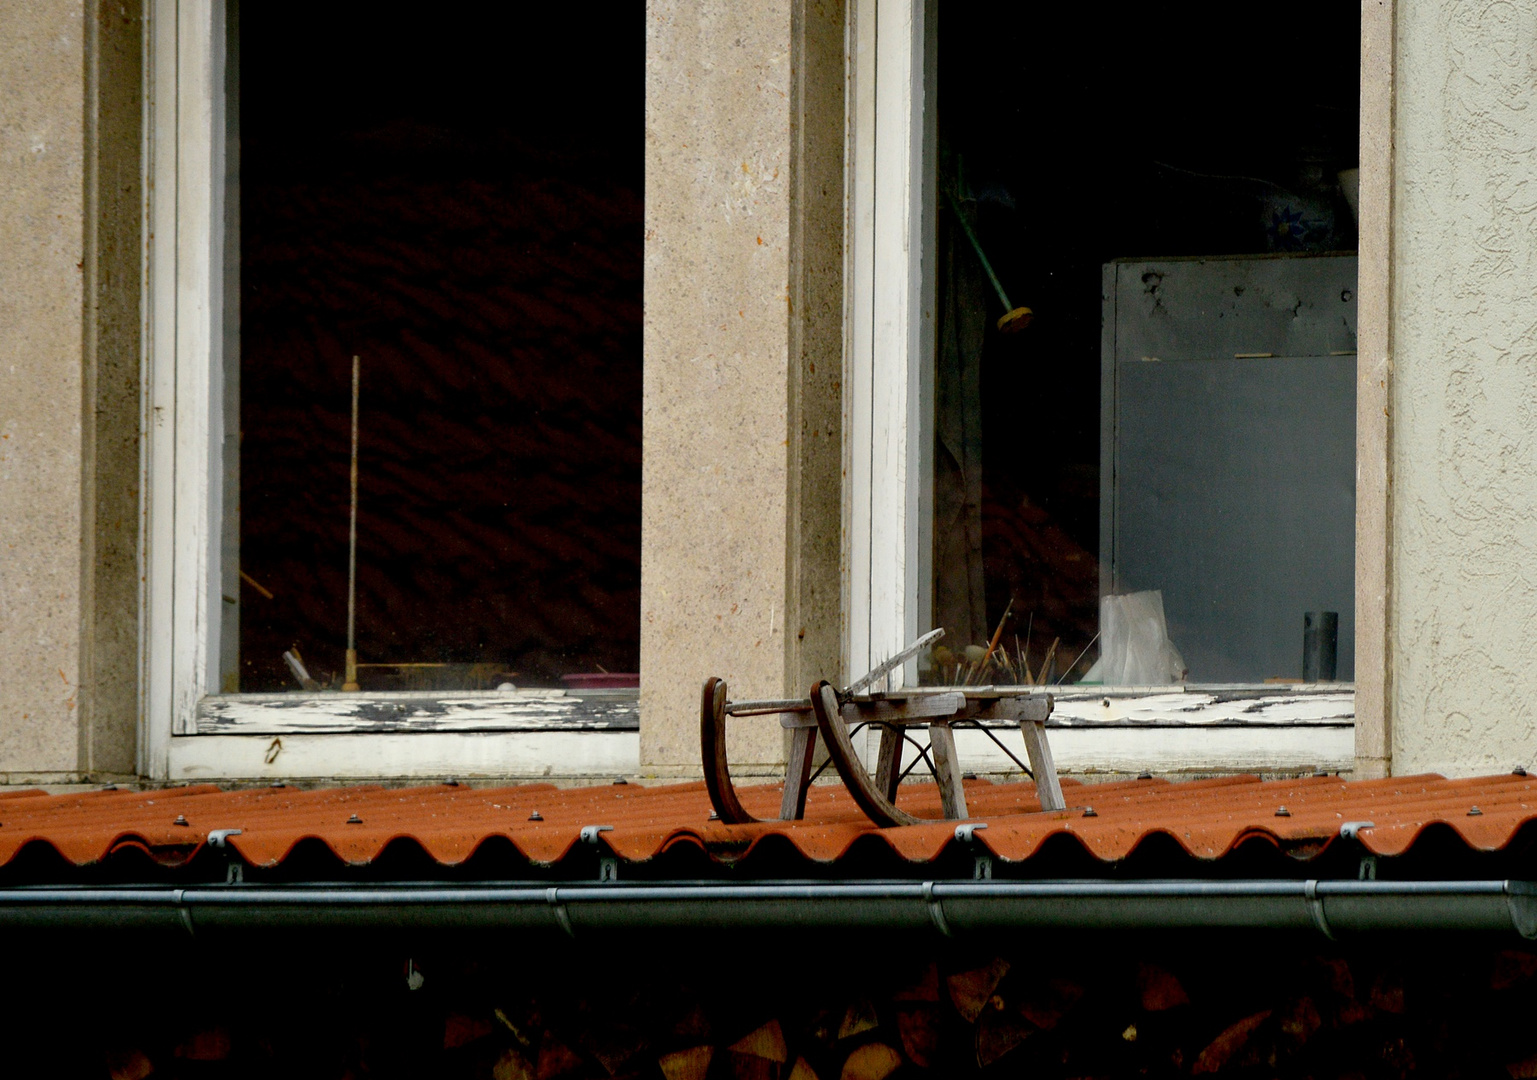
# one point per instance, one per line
(886, 547)
(889, 305)
(188, 730)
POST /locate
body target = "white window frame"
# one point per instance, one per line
(889, 368)
(186, 729)
(889, 337)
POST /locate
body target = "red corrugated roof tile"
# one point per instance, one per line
(1206, 818)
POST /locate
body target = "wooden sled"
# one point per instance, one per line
(833, 717)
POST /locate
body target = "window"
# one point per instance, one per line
(455, 199)
(1205, 450)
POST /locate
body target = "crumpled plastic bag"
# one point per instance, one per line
(1134, 645)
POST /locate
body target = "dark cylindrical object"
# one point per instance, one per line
(1320, 646)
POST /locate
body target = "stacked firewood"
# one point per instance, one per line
(1251, 1007)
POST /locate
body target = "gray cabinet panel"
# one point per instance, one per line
(1189, 309)
(1231, 485)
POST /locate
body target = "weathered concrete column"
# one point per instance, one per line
(743, 346)
(69, 409)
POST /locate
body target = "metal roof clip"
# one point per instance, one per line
(234, 869)
(1351, 830)
(982, 866)
(608, 865)
(590, 832)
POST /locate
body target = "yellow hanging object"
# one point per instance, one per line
(1016, 320)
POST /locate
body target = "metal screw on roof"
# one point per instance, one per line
(1519, 770)
(1281, 811)
(1089, 811)
(180, 820)
(714, 816)
(1321, 772)
(277, 784)
(1475, 812)
(354, 820)
(620, 780)
(1144, 775)
(450, 782)
(968, 776)
(536, 816)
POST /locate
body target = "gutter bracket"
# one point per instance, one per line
(936, 910)
(178, 898)
(552, 897)
(1316, 908)
(1523, 910)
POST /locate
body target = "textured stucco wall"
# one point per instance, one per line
(110, 356)
(70, 247)
(724, 569)
(42, 169)
(815, 555)
(1464, 398)
(714, 485)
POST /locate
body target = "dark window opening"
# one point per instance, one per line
(1206, 148)
(454, 195)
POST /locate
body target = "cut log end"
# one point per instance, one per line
(802, 1071)
(919, 1028)
(512, 1066)
(971, 991)
(690, 1064)
(999, 1033)
(129, 1065)
(859, 1018)
(556, 1059)
(872, 1061)
(1159, 989)
(766, 1042)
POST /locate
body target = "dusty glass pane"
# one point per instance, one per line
(1169, 190)
(452, 194)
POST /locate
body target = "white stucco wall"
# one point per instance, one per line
(1463, 627)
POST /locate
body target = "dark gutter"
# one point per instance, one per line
(951, 908)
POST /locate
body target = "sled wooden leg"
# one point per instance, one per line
(1047, 786)
(803, 747)
(888, 762)
(947, 770)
